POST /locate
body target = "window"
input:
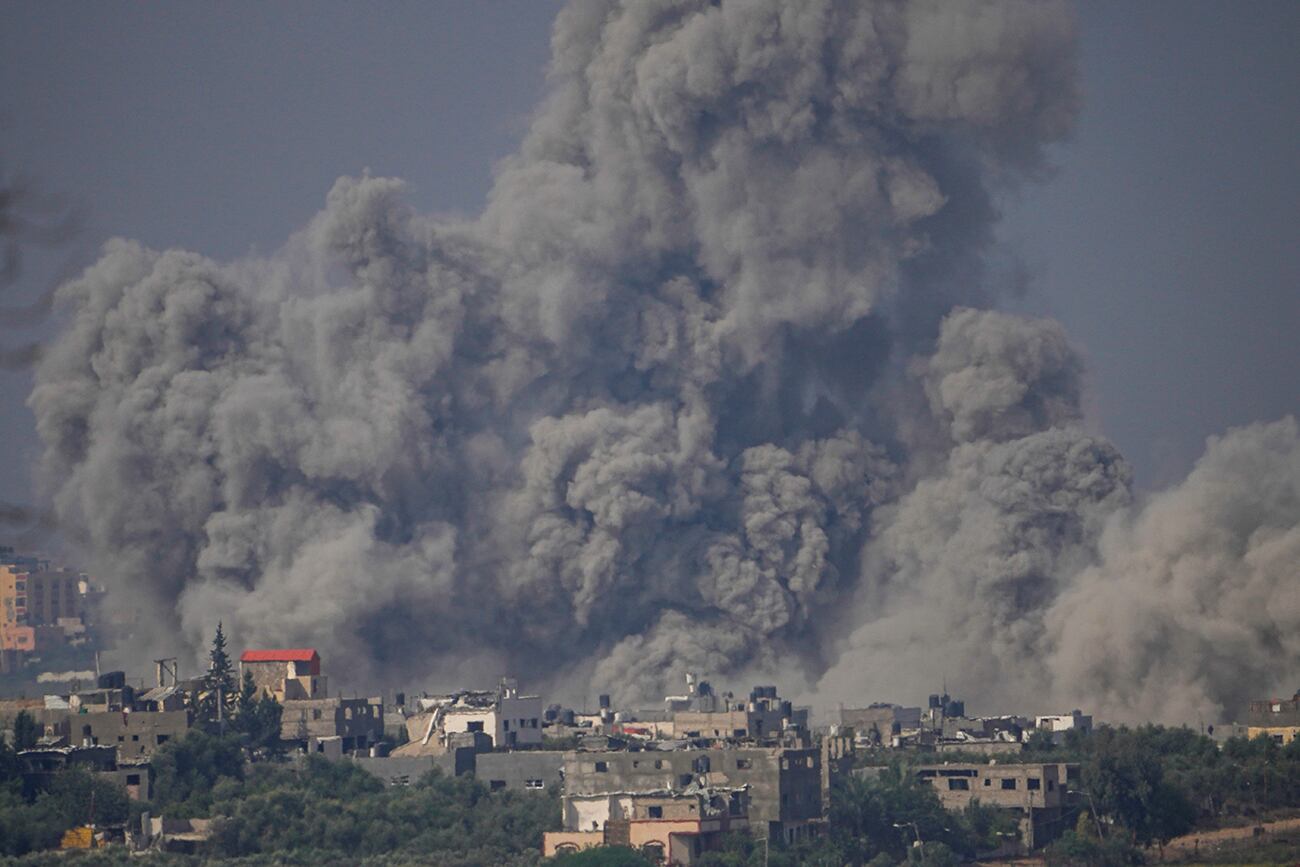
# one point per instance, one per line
(1008, 783)
(744, 764)
(1051, 786)
(505, 725)
(653, 852)
(602, 767)
(133, 779)
(121, 738)
(958, 785)
(476, 726)
(135, 737)
(496, 785)
(534, 784)
(315, 714)
(656, 812)
(738, 733)
(162, 739)
(702, 765)
(987, 782)
(685, 779)
(659, 763)
(1034, 783)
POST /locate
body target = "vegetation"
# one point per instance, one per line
(26, 731)
(217, 697)
(1146, 785)
(258, 720)
(73, 798)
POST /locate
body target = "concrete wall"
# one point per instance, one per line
(530, 770)
(554, 842)
(784, 784)
(135, 735)
(1018, 786)
(359, 721)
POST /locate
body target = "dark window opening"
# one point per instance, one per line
(1034, 783)
(656, 812)
(496, 785)
(602, 767)
(958, 785)
(475, 726)
(1009, 783)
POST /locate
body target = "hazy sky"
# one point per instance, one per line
(1166, 241)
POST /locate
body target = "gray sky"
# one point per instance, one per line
(1166, 242)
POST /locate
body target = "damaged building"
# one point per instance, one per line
(784, 784)
(666, 826)
(509, 719)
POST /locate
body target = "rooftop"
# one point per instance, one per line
(296, 654)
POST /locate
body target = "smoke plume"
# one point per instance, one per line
(707, 385)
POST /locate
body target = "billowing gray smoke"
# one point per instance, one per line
(705, 386)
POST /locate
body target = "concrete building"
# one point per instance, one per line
(522, 770)
(1058, 724)
(668, 827)
(1036, 793)
(1277, 719)
(784, 784)
(292, 673)
(765, 717)
(876, 723)
(135, 735)
(510, 719)
(358, 723)
(40, 608)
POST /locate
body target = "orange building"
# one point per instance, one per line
(33, 601)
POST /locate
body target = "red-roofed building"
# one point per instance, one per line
(286, 674)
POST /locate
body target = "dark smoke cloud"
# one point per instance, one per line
(695, 391)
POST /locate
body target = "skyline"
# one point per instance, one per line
(885, 408)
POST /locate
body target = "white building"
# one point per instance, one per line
(510, 719)
(1056, 723)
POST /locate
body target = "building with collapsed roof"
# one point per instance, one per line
(511, 720)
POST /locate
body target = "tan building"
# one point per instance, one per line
(292, 673)
(1035, 792)
(1277, 719)
(784, 785)
(667, 827)
(358, 723)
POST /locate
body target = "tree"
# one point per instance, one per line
(1125, 777)
(26, 731)
(218, 691)
(185, 771)
(1040, 742)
